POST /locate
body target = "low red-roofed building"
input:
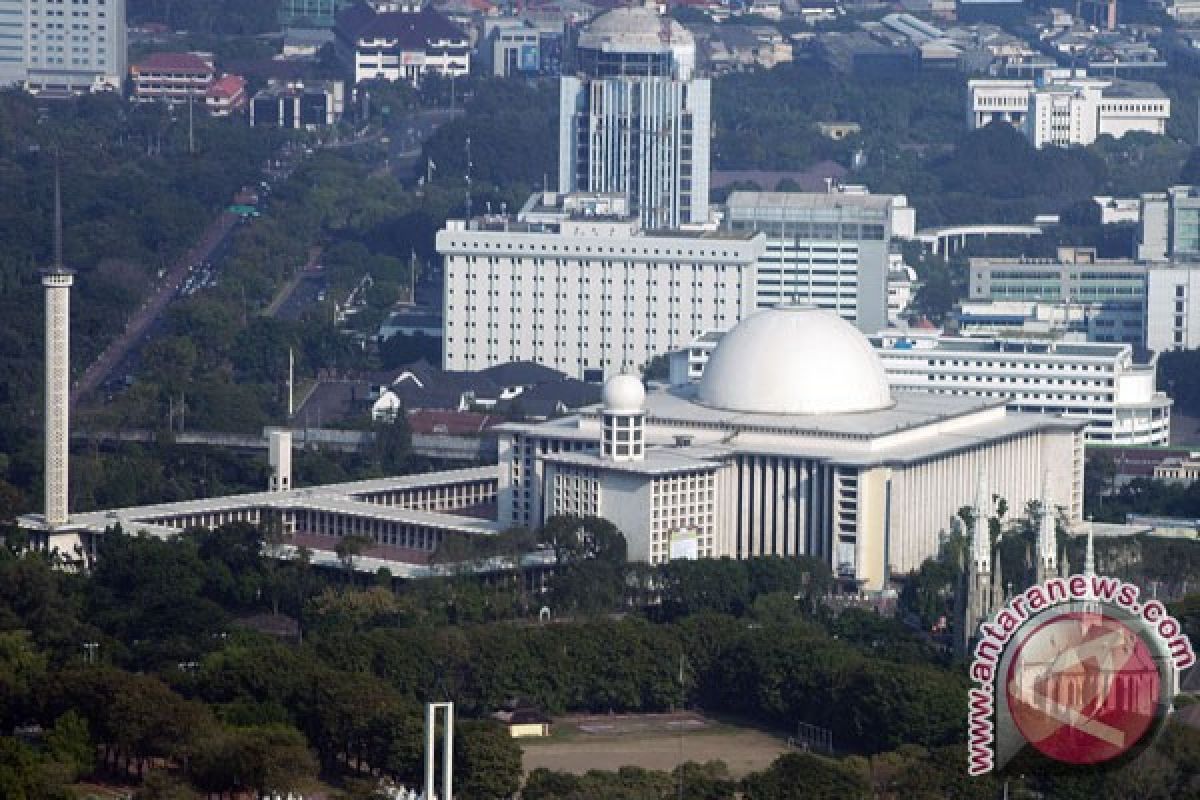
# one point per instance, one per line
(452, 423)
(172, 77)
(226, 95)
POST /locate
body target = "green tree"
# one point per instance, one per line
(70, 744)
(804, 775)
(488, 760)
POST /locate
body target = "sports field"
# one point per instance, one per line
(652, 741)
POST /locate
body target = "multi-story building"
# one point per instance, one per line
(1169, 225)
(172, 77)
(400, 41)
(634, 118)
(299, 105)
(1022, 318)
(310, 13)
(226, 95)
(1066, 109)
(576, 284)
(1113, 291)
(830, 250)
(522, 46)
(1098, 383)
(48, 46)
(1173, 307)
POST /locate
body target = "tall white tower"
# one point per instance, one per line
(57, 281)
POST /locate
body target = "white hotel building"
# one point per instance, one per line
(1096, 383)
(1067, 110)
(58, 48)
(574, 283)
(793, 443)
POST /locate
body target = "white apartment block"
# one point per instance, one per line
(830, 249)
(1092, 382)
(61, 47)
(574, 283)
(1096, 382)
(1173, 307)
(1065, 110)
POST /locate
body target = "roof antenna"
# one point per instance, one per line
(58, 227)
(469, 181)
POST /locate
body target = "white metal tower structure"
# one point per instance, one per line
(57, 281)
(981, 542)
(1089, 554)
(1047, 541)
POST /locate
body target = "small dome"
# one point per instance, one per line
(625, 394)
(794, 360)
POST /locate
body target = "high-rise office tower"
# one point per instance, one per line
(635, 118)
(56, 47)
(57, 281)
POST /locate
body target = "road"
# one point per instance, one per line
(408, 132)
(290, 303)
(207, 248)
(100, 370)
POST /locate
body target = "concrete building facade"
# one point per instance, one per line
(1066, 110)
(1113, 291)
(830, 250)
(1169, 225)
(62, 48)
(575, 283)
(1173, 307)
(635, 119)
(1098, 383)
(400, 41)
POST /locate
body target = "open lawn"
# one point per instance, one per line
(651, 741)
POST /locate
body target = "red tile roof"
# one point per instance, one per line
(454, 423)
(227, 86)
(173, 62)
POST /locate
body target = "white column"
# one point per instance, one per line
(57, 283)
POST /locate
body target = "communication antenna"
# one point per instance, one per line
(58, 226)
(469, 179)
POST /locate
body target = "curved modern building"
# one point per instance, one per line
(791, 444)
(635, 119)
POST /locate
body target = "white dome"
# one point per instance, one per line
(794, 360)
(624, 394)
(635, 29)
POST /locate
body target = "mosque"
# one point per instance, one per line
(792, 444)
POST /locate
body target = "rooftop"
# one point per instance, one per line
(808, 200)
(173, 62)
(408, 29)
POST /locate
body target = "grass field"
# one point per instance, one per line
(652, 741)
